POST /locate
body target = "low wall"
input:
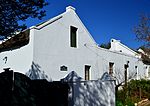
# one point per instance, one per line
(92, 93)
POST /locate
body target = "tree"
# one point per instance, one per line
(105, 45)
(142, 31)
(13, 11)
(122, 77)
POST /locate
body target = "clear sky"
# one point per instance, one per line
(105, 19)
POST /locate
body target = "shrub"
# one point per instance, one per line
(136, 91)
(119, 103)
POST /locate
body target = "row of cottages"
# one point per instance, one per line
(53, 49)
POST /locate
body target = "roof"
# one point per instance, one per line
(16, 41)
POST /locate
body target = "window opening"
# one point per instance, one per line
(73, 36)
(111, 68)
(87, 72)
(63, 68)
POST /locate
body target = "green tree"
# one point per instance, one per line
(13, 11)
(105, 45)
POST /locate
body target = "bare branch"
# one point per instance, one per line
(120, 77)
(142, 31)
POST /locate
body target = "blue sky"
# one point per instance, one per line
(105, 19)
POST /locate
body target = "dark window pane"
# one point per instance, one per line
(87, 72)
(111, 68)
(63, 68)
(73, 36)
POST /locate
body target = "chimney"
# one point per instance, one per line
(70, 8)
(114, 44)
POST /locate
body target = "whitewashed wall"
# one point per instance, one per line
(90, 93)
(49, 49)
(93, 93)
(20, 59)
(52, 48)
(116, 45)
(119, 61)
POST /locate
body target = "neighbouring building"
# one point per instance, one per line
(56, 47)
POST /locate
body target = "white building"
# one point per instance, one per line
(61, 45)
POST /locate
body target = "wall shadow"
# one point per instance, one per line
(36, 73)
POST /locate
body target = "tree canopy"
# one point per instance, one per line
(13, 11)
(105, 45)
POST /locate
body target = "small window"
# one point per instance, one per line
(63, 68)
(111, 68)
(136, 69)
(125, 72)
(87, 72)
(73, 36)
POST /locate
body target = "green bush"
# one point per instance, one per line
(135, 92)
(119, 103)
(129, 102)
(120, 96)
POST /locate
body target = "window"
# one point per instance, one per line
(149, 72)
(63, 68)
(73, 36)
(136, 69)
(125, 72)
(111, 68)
(87, 72)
